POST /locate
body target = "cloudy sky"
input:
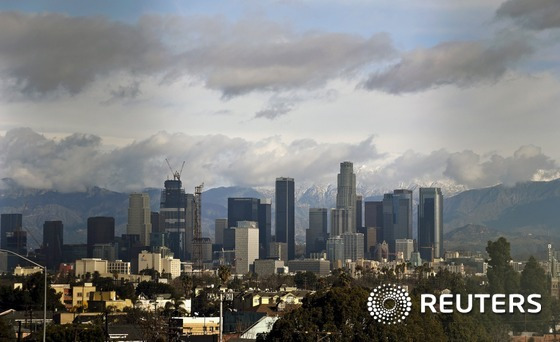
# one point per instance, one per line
(463, 93)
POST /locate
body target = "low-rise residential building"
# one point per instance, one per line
(99, 301)
(198, 325)
(80, 294)
(160, 302)
(26, 270)
(65, 291)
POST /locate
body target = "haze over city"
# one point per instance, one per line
(463, 94)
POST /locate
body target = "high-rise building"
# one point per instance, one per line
(52, 243)
(285, 215)
(335, 251)
(346, 194)
(370, 240)
(246, 245)
(251, 209)
(353, 246)
(397, 217)
(340, 218)
(139, 217)
(404, 246)
(430, 223)
(14, 238)
(316, 236)
(359, 213)
(373, 217)
(100, 230)
(265, 228)
(177, 217)
(220, 225)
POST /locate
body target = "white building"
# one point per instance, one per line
(90, 265)
(172, 266)
(404, 246)
(118, 266)
(149, 261)
(246, 245)
(139, 213)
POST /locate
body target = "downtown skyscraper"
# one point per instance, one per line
(139, 217)
(285, 215)
(397, 217)
(177, 218)
(430, 223)
(343, 218)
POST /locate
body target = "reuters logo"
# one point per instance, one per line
(389, 304)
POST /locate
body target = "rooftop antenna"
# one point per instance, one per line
(176, 174)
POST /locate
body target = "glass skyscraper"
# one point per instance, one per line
(430, 223)
(285, 217)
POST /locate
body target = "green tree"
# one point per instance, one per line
(305, 280)
(502, 278)
(535, 281)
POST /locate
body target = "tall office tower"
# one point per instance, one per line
(316, 235)
(335, 252)
(346, 194)
(139, 217)
(404, 246)
(52, 243)
(339, 221)
(155, 220)
(14, 238)
(177, 217)
(246, 245)
(359, 213)
(370, 240)
(285, 217)
(250, 209)
(373, 217)
(353, 246)
(265, 228)
(397, 217)
(220, 225)
(100, 230)
(430, 223)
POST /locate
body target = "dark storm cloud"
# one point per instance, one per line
(453, 63)
(48, 52)
(45, 53)
(532, 14)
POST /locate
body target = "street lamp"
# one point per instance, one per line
(45, 295)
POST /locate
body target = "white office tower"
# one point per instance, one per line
(246, 245)
(139, 221)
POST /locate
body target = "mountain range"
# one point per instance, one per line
(527, 214)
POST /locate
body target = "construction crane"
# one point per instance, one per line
(197, 234)
(176, 174)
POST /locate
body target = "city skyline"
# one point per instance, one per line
(412, 92)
